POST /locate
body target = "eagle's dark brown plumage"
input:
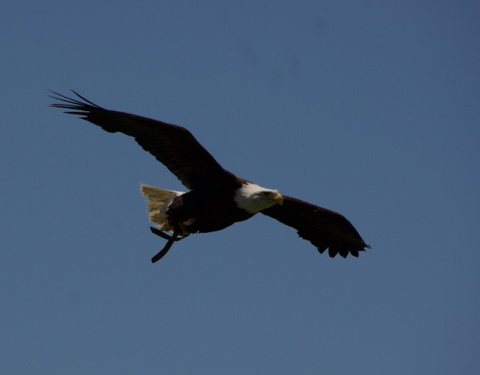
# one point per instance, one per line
(217, 198)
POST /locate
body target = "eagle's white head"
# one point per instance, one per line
(253, 198)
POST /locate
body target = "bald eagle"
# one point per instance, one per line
(216, 198)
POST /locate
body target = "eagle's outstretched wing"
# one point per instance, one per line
(325, 229)
(172, 145)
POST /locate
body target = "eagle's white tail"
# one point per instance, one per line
(158, 201)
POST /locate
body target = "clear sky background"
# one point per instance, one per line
(369, 108)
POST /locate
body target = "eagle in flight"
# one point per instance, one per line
(216, 198)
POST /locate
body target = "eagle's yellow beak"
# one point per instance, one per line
(277, 198)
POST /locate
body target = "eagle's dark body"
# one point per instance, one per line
(213, 209)
(216, 198)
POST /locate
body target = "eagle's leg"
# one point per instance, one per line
(171, 240)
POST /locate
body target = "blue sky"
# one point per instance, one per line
(369, 108)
